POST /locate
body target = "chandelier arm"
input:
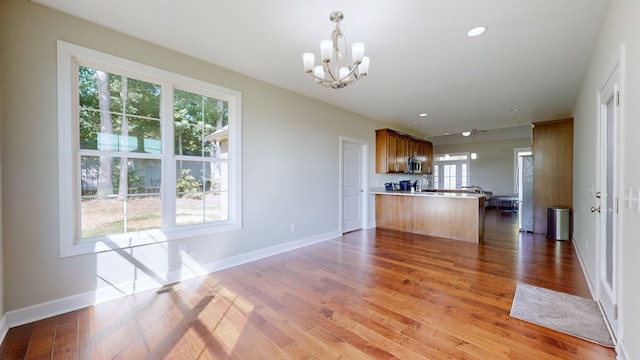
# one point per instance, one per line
(330, 83)
(352, 72)
(325, 84)
(327, 69)
(317, 78)
(333, 79)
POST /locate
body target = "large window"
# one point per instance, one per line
(451, 171)
(146, 155)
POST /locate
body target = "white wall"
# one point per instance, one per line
(493, 170)
(621, 25)
(290, 164)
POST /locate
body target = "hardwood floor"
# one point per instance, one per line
(371, 294)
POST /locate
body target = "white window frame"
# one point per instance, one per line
(69, 57)
(456, 158)
(517, 152)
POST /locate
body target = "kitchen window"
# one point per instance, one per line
(145, 155)
(451, 171)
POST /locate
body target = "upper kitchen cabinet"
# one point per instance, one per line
(421, 150)
(391, 152)
(393, 149)
(427, 163)
(416, 149)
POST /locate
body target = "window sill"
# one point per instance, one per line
(141, 238)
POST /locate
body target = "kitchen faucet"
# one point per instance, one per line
(424, 178)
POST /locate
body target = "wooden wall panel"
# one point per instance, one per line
(394, 212)
(553, 169)
(441, 216)
(451, 218)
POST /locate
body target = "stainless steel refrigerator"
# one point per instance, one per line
(525, 192)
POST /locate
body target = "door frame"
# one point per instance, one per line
(440, 163)
(364, 168)
(611, 87)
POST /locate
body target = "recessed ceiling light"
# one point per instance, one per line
(477, 31)
(423, 114)
(466, 133)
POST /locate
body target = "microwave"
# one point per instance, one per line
(414, 166)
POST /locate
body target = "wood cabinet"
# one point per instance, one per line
(394, 212)
(427, 163)
(393, 149)
(450, 217)
(391, 152)
(402, 153)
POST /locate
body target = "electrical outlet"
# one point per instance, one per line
(293, 227)
(182, 249)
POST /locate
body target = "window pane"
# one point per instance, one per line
(436, 176)
(143, 211)
(117, 113)
(463, 176)
(144, 136)
(449, 176)
(117, 199)
(449, 157)
(197, 203)
(101, 216)
(201, 124)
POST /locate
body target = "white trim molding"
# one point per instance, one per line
(69, 58)
(79, 301)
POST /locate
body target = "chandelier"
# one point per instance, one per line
(336, 72)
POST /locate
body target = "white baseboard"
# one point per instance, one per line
(79, 301)
(621, 351)
(620, 348)
(4, 327)
(585, 271)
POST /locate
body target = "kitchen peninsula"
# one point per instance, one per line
(457, 216)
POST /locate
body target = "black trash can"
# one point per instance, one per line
(558, 219)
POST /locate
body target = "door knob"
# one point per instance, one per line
(595, 209)
(598, 195)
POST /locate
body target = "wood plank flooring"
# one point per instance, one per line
(372, 294)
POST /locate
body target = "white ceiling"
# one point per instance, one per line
(532, 57)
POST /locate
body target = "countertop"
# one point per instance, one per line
(382, 191)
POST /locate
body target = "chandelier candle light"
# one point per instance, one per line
(335, 71)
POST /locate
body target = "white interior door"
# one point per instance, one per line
(353, 186)
(607, 203)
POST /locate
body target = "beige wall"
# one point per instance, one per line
(290, 163)
(2, 270)
(621, 25)
(493, 170)
(290, 146)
